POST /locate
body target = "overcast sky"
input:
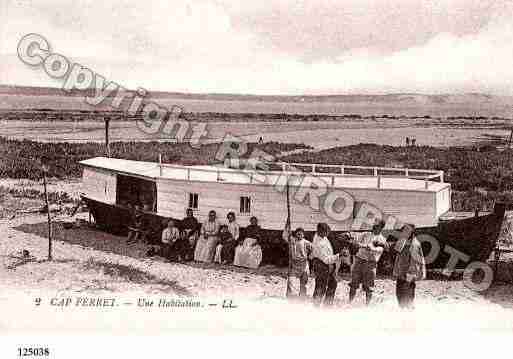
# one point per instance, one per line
(272, 46)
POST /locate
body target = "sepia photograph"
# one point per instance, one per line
(275, 167)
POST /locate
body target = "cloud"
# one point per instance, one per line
(280, 47)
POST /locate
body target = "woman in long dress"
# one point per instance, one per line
(206, 245)
(226, 252)
(249, 253)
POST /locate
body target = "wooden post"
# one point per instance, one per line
(497, 258)
(288, 202)
(49, 218)
(107, 144)
(160, 164)
(288, 227)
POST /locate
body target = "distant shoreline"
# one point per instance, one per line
(348, 97)
(48, 114)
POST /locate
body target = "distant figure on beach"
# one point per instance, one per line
(260, 140)
(409, 267)
(413, 141)
(407, 142)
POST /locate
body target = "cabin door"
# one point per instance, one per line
(136, 191)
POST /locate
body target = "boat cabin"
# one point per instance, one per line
(413, 196)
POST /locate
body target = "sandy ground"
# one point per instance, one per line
(71, 187)
(90, 263)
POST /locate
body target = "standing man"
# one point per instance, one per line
(409, 267)
(190, 229)
(366, 261)
(323, 265)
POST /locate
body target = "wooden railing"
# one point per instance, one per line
(373, 170)
(331, 171)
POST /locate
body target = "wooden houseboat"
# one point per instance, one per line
(166, 191)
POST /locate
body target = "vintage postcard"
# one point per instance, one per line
(223, 166)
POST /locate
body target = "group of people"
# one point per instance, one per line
(212, 241)
(224, 243)
(228, 243)
(409, 264)
(411, 141)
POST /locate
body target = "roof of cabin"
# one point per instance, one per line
(151, 170)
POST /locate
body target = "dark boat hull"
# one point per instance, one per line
(475, 237)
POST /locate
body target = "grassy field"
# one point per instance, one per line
(477, 177)
(23, 159)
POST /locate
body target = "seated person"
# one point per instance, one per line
(276, 251)
(249, 252)
(207, 242)
(225, 250)
(233, 226)
(189, 235)
(170, 239)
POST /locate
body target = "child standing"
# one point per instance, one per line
(299, 251)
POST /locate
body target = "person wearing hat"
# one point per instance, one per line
(363, 271)
(409, 266)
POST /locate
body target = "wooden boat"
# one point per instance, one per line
(413, 196)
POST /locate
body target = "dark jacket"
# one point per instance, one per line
(410, 260)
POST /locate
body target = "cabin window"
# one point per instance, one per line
(245, 204)
(136, 191)
(193, 200)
